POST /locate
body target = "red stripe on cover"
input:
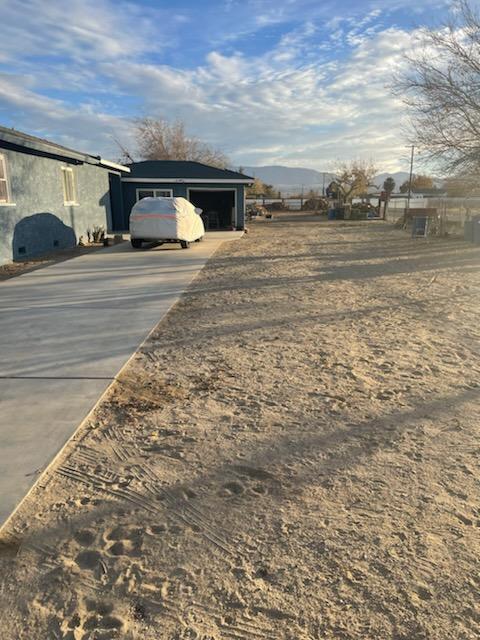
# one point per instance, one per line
(142, 216)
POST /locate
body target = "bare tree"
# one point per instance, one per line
(354, 178)
(125, 157)
(158, 139)
(462, 186)
(442, 91)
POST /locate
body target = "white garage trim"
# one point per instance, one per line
(215, 189)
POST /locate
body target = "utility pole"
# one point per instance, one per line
(323, 187)
(301, 201)
(410, 183)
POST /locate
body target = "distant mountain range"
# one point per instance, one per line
(291, 179)
(400, 177)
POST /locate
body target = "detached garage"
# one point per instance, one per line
(219, 192)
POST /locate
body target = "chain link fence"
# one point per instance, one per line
(452, 212)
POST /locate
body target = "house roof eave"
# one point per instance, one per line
(26, 141)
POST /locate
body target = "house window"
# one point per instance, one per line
(4, 186)
(69, 186)
(154, 193)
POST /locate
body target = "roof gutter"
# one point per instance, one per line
(188, 180)
(41, 146)
(114, 165)
(45, 147)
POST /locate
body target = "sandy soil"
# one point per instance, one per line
(293, 454)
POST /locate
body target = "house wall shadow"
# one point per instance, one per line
(39, 234)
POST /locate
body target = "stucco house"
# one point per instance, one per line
(219, 192)
(51, 195)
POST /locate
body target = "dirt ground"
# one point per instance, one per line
(293, 454)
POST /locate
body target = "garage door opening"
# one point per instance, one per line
(218, 206)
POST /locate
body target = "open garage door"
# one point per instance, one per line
(218, 205)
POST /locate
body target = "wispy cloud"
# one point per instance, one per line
(314, 94)
(82, 30)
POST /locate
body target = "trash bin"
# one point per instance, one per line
(331, 214)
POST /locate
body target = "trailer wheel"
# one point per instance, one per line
(184, 244)
(136, 243)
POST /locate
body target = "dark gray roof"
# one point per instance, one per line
(21, 139)
(183, 169)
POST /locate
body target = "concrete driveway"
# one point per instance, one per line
(65, 332)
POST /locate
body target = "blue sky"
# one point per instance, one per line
(292, 82)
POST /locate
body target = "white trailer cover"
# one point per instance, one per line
(165, 219)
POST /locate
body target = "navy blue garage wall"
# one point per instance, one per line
(129, 189)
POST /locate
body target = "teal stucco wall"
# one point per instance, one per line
(37, 221)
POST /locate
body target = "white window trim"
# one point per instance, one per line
(70, 203)
(8, 203)
(154, 191)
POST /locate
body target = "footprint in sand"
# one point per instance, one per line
(95, 620)
(89, 559)
(85, 537)
(233, 488)
(156, 529)
(259, 489)
(253, 481)
(385, 395)
(124, 541)
(254, 472)
(123, 548)
(85, 500)
(257, 480)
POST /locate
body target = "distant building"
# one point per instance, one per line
(420, 193)
(51, 195)
(434, 192)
